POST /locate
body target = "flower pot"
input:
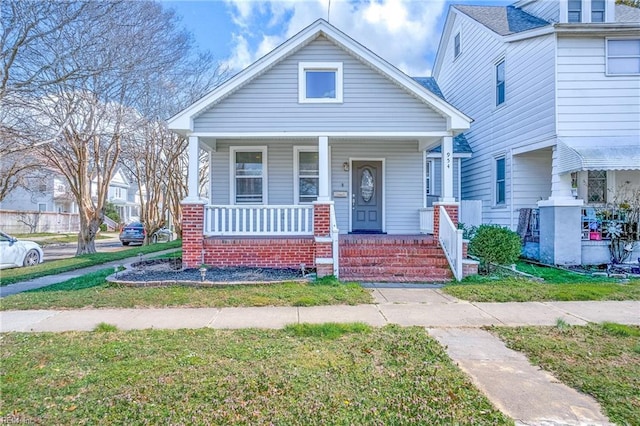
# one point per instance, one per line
(595, 236)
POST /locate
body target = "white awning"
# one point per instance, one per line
(598, 154)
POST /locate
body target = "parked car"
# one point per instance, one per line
(16, 253)
(135, 233)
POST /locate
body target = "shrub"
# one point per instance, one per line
(495, 244)
(103, 227)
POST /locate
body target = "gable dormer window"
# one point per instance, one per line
(457, 48)
(598, 10)
(575, 11)
(500, 83)
(320, 82)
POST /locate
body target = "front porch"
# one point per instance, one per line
(307, 237)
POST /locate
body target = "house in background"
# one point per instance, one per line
(43, 191)
(319, 154)
(123, 195)
(554, 91)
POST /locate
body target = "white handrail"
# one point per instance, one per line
(335, 245)
(451, 241)
(269, 220)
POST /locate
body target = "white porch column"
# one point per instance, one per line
(447, 170)
(194, 154)
(323, 165)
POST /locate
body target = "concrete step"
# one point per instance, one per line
(395, 274)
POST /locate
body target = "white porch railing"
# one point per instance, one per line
(335, 244)
(258, 220)
(426, 220)
(451, 241)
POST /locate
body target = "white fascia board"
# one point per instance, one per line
(183, 121)
(281, 135)
(536, 32)
(444, 40)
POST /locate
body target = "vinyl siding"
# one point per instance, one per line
(545, 9)
(590, 103)
(270, 102)
(531, 178)
(527, 116)
(403, 184)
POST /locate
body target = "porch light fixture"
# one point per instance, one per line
(345, 166)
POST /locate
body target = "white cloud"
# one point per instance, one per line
(403, 32)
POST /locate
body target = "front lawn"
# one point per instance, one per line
(602, 360)
(558, 285)
(304, 374)
(91, 291)
(10, 276)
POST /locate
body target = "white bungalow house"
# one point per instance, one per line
(318, 155)
(554, 90)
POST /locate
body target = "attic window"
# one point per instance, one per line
(456, 46)
(320, 82)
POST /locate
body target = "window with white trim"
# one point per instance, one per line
(428, 176)
(307, 174)
(598, 10)
(320, 82)
(500, 83)
(623, 56)
(249, 175)
(574, 11)
(501, 187)
(457, 47)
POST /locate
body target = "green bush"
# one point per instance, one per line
(495, 244)
(103, 227)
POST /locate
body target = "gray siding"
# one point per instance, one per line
(270, 102)
(531, 178)
(403, 179)
(527, 117)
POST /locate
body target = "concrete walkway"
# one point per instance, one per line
(527, 394)
(48, 280)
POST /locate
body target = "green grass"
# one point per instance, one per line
(10, 276)
(558, 285)
(602, 360)
(390, 376)
(91, 291)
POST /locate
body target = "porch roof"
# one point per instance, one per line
(598, 154)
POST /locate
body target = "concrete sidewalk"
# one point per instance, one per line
(524, 392)
(48, 280)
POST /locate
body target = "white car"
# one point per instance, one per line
(14, 252)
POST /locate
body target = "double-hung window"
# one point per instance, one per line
(249, 175)
(501, 188)
(623, 56)
(500, 83)
(598, 10)
(457, 48)
(320, 82)
(307, 174)
(575, 11)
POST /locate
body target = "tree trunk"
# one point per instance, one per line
(87, 236)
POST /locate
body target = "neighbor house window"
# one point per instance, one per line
(307, 174)
(597, 10)
(249, 175)
(42, 207)
(596, 186)
(501, 187)
(623, 56)
(500, 83)
(456, 46)
(575, 11)
(320, 82)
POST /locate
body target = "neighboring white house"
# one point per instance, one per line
(317, 136)
(554, 91)
(123, 195)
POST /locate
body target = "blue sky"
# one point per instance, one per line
(404, 32)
